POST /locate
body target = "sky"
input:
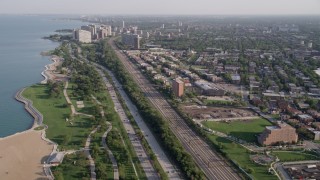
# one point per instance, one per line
(159, 7)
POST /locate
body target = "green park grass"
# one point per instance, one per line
(126, 169)
(240, 156)
(55, 111)
(294, 156)
(219, 102)
(88, 103)
(39, 128)
(275, 116)
(74, 167)
(245, 130)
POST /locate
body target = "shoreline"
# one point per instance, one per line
(28, 106)
(37, 120)
(44, 73)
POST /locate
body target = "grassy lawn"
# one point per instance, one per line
(294, 156)
(275, 116)
(240, 155)
(125, 169)
(55, 111)
(39, 128)
(123, 158)
(246, 130)
(88, 103)
(219, 102)
(74, 166)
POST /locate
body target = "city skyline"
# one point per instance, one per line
(177, 7)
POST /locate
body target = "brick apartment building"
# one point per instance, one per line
(178, 87)
(279, 133)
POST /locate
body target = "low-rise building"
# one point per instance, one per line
(281, 133)
(235, 78)
(56, 158)
(206, 88)
(305, 118)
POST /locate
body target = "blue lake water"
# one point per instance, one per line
(21, 63)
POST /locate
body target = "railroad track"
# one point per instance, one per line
(212, 164)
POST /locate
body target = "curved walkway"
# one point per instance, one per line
(29, 107)
(112, 158)
(87, 152)
(164, 161)
(73, 109)
(104, 144)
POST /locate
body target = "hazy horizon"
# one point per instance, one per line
(164, 7)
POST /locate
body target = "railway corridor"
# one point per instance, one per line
(212, 164)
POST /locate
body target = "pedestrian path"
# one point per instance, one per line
(87, 152)
(104, 144)
(112, 158)
(73, 109)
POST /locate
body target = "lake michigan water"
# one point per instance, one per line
(21, 63)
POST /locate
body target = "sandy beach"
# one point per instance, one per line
(22, 155)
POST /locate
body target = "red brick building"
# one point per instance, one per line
(280, 133)
(178, 87)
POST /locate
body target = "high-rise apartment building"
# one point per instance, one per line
(82, 36)
(132, 40)
(178, 87)
(91, 28)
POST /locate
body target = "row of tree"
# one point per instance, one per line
(159, 126)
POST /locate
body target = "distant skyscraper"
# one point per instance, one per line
(162, 26)
(123, 24)
(310, 44)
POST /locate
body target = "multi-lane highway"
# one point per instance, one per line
(213, 165)
(135, 141)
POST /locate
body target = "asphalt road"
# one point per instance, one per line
(135, 141)
(157, 150)
(213, 165)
